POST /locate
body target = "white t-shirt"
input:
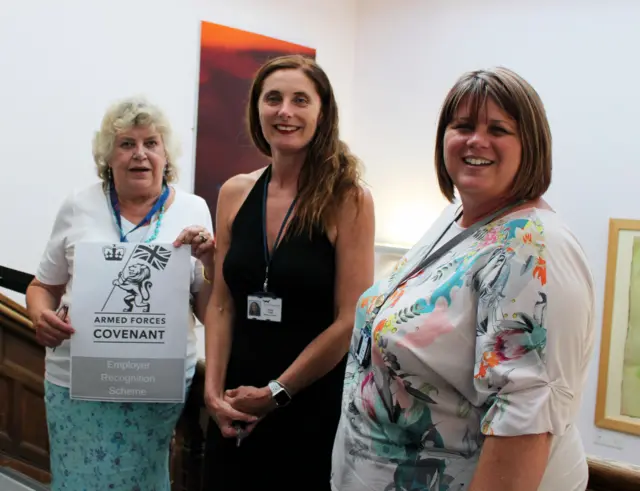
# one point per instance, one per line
(493, 338)
(86, 215)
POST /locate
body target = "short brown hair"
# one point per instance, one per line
(518, 99)
(330, 172)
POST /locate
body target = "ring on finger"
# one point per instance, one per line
(203, 237)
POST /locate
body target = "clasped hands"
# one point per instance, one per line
(52, 330)
(244, 404)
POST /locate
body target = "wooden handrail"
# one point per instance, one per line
(608, 475)
(19, 317)
(14, 310)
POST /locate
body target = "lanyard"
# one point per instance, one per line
(115, 205)
(429, 258)
(268, 258)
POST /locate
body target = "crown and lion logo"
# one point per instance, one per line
(135, 277)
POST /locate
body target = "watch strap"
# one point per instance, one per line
(279, 392)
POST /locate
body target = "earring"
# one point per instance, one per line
(166, 171)
(109, 175)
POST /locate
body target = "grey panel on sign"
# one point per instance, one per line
(128, 379)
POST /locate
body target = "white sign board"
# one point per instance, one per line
(130, 312)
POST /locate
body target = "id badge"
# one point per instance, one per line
(264, 308)
(363, 353)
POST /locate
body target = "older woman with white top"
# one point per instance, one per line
(114, 445)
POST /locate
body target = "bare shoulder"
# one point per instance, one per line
(239, 184)
(356, 204)
(234, 191)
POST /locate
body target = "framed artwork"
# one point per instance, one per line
(229, 59)
(618, 397)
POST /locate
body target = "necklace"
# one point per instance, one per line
(159, 205)
(155, 230)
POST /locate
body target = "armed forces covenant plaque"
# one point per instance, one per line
(130, 311)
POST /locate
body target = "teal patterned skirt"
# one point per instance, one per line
(110, 446)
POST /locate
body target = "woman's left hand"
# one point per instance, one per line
(201, 241)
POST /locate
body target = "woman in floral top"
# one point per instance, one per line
(467, 374)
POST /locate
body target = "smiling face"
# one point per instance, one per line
(482, 154)
(137, 162)
(289, 109)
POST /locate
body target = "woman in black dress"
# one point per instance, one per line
(296, 238)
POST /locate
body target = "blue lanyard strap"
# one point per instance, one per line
(268, 258)
(115, 205)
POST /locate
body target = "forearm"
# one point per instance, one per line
(217, 347)
(318, 358)
(501, 463)
(39, 298)
(202, 299)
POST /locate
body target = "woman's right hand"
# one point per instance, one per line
(51, 330)
(224, 415)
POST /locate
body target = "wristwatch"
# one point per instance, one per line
(280, 395)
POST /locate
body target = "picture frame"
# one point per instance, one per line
(618, 394)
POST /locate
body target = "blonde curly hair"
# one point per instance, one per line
(123, 115)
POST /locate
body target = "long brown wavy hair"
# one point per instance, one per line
(330, 173)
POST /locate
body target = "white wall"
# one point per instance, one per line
(63, 62)
(581, 56)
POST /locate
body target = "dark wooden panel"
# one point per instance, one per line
(4, 403)
(1, 344)
(24, 442)
(34, 438)
(23, 361)
(5, 413)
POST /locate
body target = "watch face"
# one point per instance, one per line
(281, 397)
(279, 394)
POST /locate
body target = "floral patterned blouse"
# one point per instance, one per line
(493, 338)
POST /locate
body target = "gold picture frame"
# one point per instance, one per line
(616, 407)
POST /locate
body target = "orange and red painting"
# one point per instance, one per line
(229, 59)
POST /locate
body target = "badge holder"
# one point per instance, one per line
(264, 306)
(363, 353)
(365, 345)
